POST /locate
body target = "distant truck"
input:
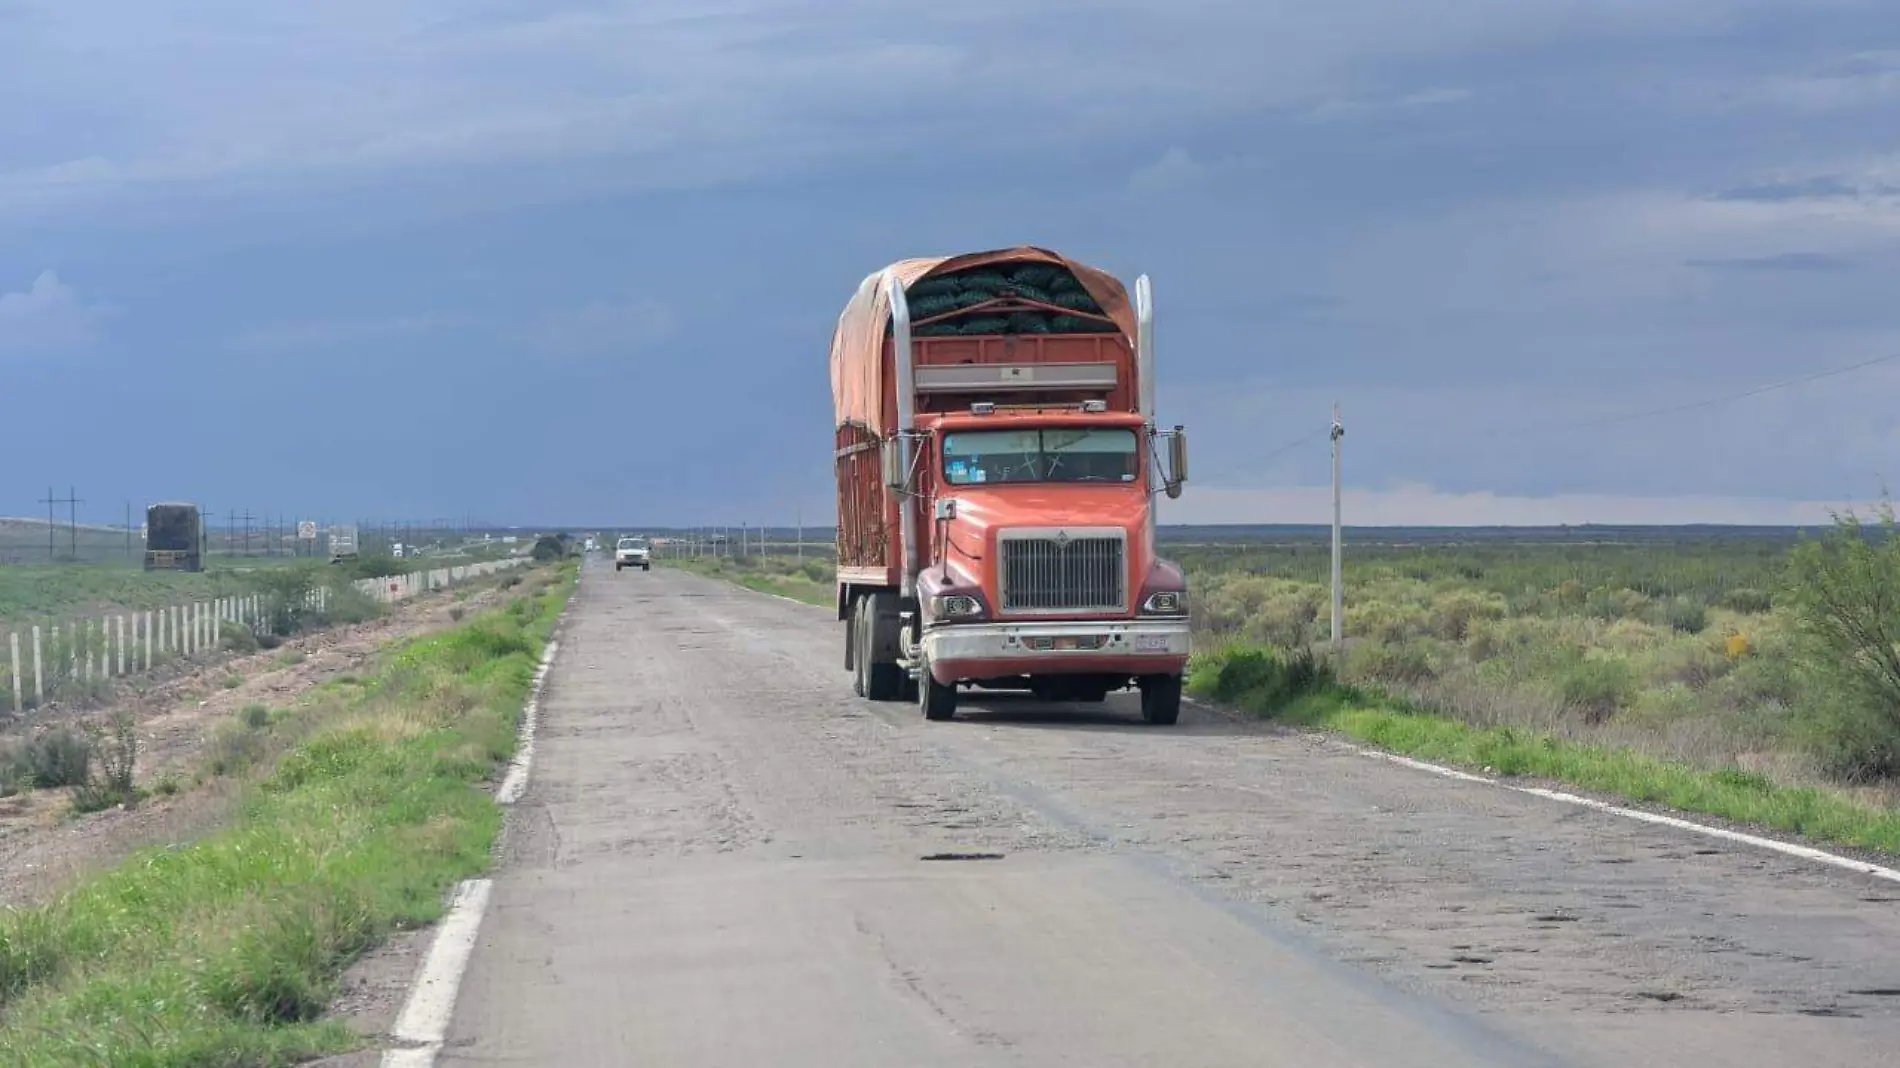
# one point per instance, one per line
(174, 537)
(997, 458)
(343, 543)
(633, 552)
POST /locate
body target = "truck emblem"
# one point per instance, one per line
(1062, 539)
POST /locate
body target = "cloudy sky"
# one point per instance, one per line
(579, 261)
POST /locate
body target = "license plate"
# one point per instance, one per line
(1151, 643)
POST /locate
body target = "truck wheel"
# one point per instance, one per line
(646, 567)
(939, 702)
(883, 681)
(1161, 699)
(616, 565)
(859, 665)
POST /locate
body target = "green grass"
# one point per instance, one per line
(228, 951)
(34, 592)
(1257, 681)
(809, 580)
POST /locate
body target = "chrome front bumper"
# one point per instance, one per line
(1028, 644)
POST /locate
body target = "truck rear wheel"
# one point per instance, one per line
(881, 681)
(1161, 699)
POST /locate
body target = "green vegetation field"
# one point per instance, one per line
(810, 580)
(373, 801)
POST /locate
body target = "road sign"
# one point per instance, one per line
(306, 531)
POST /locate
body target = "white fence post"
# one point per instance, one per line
(89, 651)
(13, 646)
(148, 638)
(118, 623)
(39, 678)
(217, 626)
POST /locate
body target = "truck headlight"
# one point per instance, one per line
(956, 606)
(1165, 603)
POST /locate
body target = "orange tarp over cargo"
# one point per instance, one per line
(858, 365)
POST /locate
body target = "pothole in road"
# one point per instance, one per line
(1556, 918)
(962, 856)
(1664, 996)
(1470, 958)
(1877, 992)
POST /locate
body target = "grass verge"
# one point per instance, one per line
(809, 581)
(1300, 691)
(227, 951)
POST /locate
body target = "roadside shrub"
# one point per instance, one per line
(16, 774)
(237, 638)
(116, 749)
(256, 715)
(1680, 614)
(1454, 611)
(60, 757)
(345, 604)
(1267, 680)
(1407, 663)
(1597, 686)
(1747, 599)
(1844, 589)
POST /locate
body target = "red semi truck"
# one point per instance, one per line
(997, 460)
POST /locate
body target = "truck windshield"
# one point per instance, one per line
(1050, 454)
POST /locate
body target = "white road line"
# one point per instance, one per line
(516, 781)
(425, 1017)
(1803, 852)
(431, 1005)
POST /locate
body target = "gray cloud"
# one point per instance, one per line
(48, 318)
(1781, 261)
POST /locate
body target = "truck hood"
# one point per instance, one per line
(982, 511)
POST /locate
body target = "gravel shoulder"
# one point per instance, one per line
(722, 854)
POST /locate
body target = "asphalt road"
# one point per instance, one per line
(724, 858)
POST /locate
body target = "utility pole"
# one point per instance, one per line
(72, 502)
(801, 534)
(128, 530)
(72, 515)
(1339, 600)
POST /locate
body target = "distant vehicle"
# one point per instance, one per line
(395, 550)
(632, 552)
(592, 545)
(343, 543)
(174, 537)
(997, 457)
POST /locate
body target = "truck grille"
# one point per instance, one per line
(1044, 573)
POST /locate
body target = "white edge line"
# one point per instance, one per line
(431, 1004)
(1788, 849)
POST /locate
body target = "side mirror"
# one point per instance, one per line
(891, 454)
(1177, 462)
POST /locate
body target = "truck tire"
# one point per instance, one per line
(938, 702)
(883, 680)
(616, 566)
(646, 567)
(1161, 699)
(859, 666)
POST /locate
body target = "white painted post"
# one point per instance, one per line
(217, 626)
(148, 639)
(39, 678)
(89, 649)
(13, 646)
(119, 622)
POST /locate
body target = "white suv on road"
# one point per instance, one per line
(632, 552)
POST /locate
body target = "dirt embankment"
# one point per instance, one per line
(44, 846)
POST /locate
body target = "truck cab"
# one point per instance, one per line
(633, 552)
(998, 467)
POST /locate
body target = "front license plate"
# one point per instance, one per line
(1151, 643)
